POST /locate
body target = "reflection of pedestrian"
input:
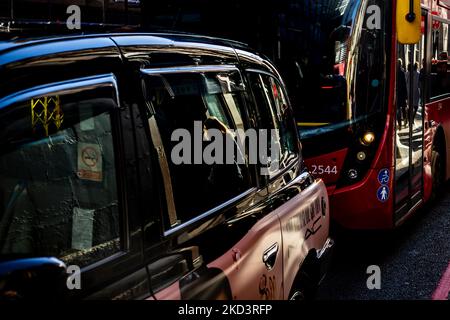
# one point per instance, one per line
(232, 173)
(422, 75)
(422, 79)
(402, 94)
(415, 75)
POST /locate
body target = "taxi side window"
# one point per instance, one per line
(197, 114)
(58, 186)
(273, 112)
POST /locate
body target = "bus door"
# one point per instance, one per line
(410, 93)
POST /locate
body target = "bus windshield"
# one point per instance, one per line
(331, 53)
(335, 64)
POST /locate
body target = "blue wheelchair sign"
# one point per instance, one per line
(384, 176)
(383, 194)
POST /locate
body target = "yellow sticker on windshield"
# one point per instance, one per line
(46, 111)
(312, 124)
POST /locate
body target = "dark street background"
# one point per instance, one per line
(412, 258)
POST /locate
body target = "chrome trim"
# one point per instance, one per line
(267, 73)
(97, 264)
(209, 213)
(295, 162)
(65, 87)
(269, 253)
(325, 249)
(301, 180)
(305, 177)
(190, 69)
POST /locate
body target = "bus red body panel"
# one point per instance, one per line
(357, 206)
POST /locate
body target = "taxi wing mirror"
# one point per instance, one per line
(32, 279)
(409, 20)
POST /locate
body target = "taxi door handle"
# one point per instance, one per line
(270, 256)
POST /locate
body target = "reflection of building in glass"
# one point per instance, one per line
(94, 11)
(46, 112)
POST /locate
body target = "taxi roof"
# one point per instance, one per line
(10, 41)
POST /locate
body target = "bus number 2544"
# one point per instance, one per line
(321, 170)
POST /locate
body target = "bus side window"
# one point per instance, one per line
(439, 77)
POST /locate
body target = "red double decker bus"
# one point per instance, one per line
(374, 114)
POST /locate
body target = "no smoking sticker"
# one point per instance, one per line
(90, 162)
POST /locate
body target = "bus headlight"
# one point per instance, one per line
(368, 138)
(361, 156)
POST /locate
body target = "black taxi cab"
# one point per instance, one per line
(107, 186)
